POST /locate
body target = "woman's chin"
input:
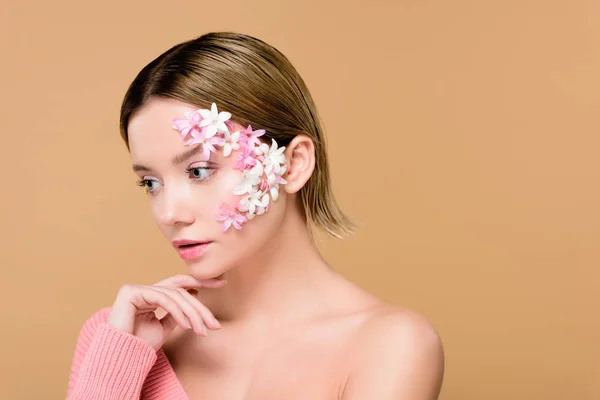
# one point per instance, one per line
(205, 269)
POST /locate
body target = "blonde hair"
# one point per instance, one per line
(259, 86)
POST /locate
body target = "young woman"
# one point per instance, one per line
(226, 140)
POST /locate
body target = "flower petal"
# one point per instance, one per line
(237, 225)
(274, 193)
(211, 130)
(221, 127)
(241, 188)
(265, 200)
(204, 113)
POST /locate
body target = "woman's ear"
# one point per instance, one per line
(300, 163)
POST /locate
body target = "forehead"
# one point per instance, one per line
(151, 127)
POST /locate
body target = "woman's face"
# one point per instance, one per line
(185, 191)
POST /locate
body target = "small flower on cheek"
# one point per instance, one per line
(254, 203)
(230, 142)
(229, 216)
(271, 182)
(252, 136)
(245, 157)
(251, 178)
(273, 157)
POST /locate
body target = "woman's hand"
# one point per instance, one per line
(133, 309)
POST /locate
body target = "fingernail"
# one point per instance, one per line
(204, 331)
(217, 324)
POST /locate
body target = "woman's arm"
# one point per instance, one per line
(401, 357)
(108, 363)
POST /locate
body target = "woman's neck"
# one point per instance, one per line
(289, 279)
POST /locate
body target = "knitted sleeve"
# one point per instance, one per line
(108, 363)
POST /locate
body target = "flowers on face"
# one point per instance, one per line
(254, 203)
(229, 216)
(249, 180)
(187, 124)
(274, 186)
(274, 159)
(213, 121)
(262, 165)
(208, 144)
(245, 157)
(230, 142)
(252, 137)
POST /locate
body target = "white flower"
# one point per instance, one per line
(230, 142)
(264, 202)
(274, 158)
(254, 203)
(250, 179)
(213, 120)
(274, 191)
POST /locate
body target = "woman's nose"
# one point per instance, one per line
(175, 208)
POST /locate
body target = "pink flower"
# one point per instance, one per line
(197, 136)
(187, 124)
(245, 157)
(208, 144)
(264, 185)
(229, 216)
(251, 137)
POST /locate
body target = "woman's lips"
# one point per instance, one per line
(192, 251)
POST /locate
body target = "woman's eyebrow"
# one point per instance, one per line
(178, 159)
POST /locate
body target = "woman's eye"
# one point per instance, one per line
(149, 184)
(200, 173)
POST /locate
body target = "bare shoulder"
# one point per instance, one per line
(398, 353)
(400, 329)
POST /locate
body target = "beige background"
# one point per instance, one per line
(464, 139)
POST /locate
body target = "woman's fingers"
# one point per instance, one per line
(189, 307)
(186, 307)
(157, 298)
(188, 282)
(168, 322)
(134, 309)
(209, 319)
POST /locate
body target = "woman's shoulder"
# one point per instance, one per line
(396, 348)
(380, 319)
(399, 326)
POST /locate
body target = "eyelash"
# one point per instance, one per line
(144, 182)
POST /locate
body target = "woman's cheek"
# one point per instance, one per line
(225, 196)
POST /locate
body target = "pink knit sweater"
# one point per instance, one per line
(112, 364)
